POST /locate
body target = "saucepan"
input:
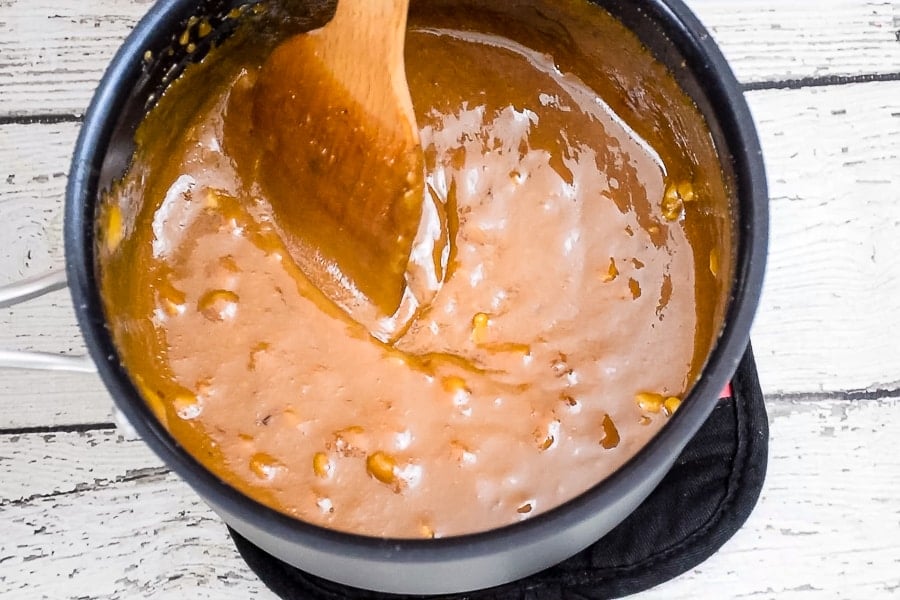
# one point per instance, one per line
(150, 58)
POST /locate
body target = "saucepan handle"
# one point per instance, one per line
(22, 291)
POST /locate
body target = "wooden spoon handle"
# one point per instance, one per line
(363, 47)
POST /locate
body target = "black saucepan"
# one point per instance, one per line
(151, 57)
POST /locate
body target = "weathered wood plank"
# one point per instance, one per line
(34, 162)
(36, 465)
(38, 399)
(828, 522)
(33, 398)
(52, 53)
(772, 40)
(829, 313)
(45, 324)
(833, 163)
(148, 535)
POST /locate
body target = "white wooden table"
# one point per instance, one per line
(85, 513)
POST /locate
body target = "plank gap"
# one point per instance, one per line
(40, 119)
(851, 395)
(65, 428)
(827, 80)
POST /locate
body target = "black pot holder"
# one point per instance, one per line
(698, 506)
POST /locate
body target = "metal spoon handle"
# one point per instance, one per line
(32, 287)
(22, 291)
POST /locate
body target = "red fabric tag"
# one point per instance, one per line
(726, 393)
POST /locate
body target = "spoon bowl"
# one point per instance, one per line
(326, 130)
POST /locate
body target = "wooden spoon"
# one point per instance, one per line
(338, 152)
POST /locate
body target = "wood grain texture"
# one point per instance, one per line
(32, 398)
(829, 313)
(40, 465)
(148, 537)
(826, 525)
(38, 399)
(34, 162)
(52, 53)
(772, 40)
